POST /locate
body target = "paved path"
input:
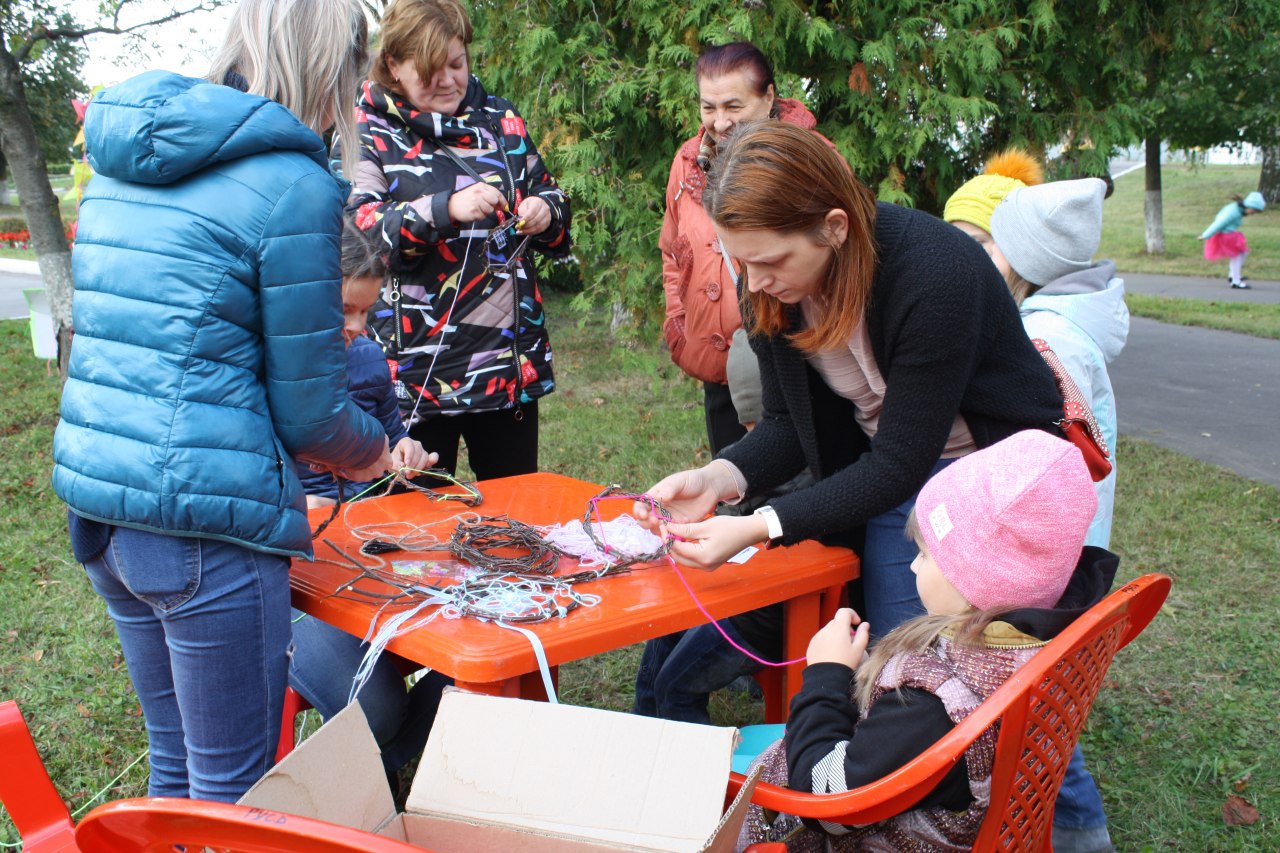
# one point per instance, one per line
(1212, 395)
(1209, 394)
(1194, 287)
(14, 276)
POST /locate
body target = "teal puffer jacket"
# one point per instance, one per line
(208, 353)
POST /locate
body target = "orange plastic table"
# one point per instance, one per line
(648, 602)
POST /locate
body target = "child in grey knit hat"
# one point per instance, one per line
(1043, 239)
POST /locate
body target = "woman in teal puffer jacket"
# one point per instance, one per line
(208, 356)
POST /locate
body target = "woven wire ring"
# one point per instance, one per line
(623, 559)
(474, 541)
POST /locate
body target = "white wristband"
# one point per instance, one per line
(772, 523)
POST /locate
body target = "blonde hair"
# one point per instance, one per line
(753, 187)
(419, 30)
(1019, 286)
(920, 634)
(307, 55)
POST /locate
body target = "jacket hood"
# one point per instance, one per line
(1092, 299)
(159, 127)
(1089, 584)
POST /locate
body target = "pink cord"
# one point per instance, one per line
(716, 623)
(595, 508)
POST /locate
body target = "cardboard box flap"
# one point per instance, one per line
(726, 837)
(334, 775)
(576, 772)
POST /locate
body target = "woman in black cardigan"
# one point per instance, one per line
(888, 346)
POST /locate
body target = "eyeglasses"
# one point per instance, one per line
(499, 253)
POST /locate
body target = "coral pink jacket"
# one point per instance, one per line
(702, 303)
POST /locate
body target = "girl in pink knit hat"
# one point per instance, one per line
(1002, 570)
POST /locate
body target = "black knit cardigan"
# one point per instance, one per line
(947, 338)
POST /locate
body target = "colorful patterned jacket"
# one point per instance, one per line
(454, 329)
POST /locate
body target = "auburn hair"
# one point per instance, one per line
(419, 31)
(775, 176)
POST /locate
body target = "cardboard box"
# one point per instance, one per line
(509, 774)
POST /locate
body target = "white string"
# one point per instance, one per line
(541, 654)
(392, 628)
(491, 600)
(624, 534)
(443, 333)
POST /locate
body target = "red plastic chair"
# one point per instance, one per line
(158, 824)
(37, 810)
(1041, 711)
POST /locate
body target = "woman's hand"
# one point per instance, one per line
(410, 457)
(476, 202)
(840, 642)
(705, 545)
(533, 216)
(688, 495)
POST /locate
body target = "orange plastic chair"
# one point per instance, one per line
(1041, 711)
(37, 810)
(162, 824)
(294, 704)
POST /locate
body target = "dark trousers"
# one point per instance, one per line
(723, 428)
(499, 444)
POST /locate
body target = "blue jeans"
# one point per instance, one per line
(888, 584)
(679, 672)
(204, 626)
(1079, 805)
(322, 668)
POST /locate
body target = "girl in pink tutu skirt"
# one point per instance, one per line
(1223, 239)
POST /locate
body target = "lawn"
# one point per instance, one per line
(1192, 197)
(1188, 718)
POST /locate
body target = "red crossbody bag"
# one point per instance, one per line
(1078, 423)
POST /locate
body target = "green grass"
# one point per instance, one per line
(1187, 720)
(1249, 318)
(1192, 197)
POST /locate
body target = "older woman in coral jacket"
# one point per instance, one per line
(735, 83)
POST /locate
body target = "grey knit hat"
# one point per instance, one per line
(1050, 230)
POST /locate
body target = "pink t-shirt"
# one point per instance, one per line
(852, 373)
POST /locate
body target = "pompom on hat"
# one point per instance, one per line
(976, 199)
(1006, 524)
(1052, 230)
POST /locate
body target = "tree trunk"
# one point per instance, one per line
(1154, 206)
(39, 203)
(1269, 183)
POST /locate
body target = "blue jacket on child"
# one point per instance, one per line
(208, 352)
(369, 386)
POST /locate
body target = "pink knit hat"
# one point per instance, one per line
(1006, 524)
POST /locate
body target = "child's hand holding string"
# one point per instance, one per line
(840, 642)
(411, 457)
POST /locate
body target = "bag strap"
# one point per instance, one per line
(1074, 405)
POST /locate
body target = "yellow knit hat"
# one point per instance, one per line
(976, 200)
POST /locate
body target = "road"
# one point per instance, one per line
(14, 276)
(1211, 395)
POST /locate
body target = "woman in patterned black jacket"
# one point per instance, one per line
(443, 166)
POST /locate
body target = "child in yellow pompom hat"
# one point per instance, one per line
(1042, 237)
(976, 199)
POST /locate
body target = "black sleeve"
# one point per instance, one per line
(830, 750)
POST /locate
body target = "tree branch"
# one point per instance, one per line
(40, 32)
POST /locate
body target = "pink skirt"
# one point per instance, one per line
(1225, 244)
